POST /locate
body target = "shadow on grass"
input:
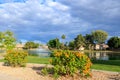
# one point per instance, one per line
(109, 62)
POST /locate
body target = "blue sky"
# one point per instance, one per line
(42, 20)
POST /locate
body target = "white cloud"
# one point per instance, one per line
(37, 19)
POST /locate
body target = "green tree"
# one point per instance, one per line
(79, 41)
(114, 43)
(7, 40)
(54, 44)
(99, 36)
(89, 41)
(71, 45)
(63, 36)
(1, 40)
(31, 45)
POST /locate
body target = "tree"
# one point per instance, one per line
(89, 41)
(79, 41)
(71, 45)
(7, 40)
(114, 43)
(54, 44)
(1, 40)
(31, 45)
(99, 36)
(63, 36)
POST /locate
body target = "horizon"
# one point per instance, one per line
(42, 20)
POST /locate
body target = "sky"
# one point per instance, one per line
(42, 20)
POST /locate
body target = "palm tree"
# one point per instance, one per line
(63, 37)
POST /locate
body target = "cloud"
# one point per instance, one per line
(46, 19)
(101, 14)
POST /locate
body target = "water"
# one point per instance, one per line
(93, 55)
(39, 52)
(104, 55)
(2, 51)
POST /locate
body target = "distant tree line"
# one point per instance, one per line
(88, 41)
(31, 45)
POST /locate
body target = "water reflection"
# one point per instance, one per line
(2, 51)
(104, 55)
(40, 52)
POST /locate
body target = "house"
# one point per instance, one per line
(19, 46)
(81, 48)
(101, 46)
(97, 47)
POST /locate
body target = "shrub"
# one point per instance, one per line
(15, 58)
(68, 63)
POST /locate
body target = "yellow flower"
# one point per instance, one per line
(66, 55)
(50, 60)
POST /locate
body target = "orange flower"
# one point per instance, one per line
(57, 54)
(50, 60)
(66, 55)
(85, 71)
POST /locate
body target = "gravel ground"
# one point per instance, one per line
(30, 72)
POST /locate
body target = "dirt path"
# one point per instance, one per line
(7, 77)
(30, 72)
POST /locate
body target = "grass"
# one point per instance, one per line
(2, 60)
(111, 65)
(106, 67)
(35, 59)
(38, 60)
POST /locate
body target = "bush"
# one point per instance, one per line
(15, 58)
(68, 63)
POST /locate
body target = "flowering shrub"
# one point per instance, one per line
(15, 58)
(68, 63)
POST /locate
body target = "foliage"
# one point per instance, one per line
(79, 41)
(54, 44)
(7, 40)
(71, 45)
(68, 63)
(63, 36)
(88, 41)
(114, 42)
(31, 45)
(15, 58)
(44, 71)
(99, 36)
(1, 38)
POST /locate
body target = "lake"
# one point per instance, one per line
(93, 55)
(39, 52)
(104, 55)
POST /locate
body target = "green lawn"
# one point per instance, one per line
(38, 60)
(35, 59)
(111, 65)
(106, 67)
